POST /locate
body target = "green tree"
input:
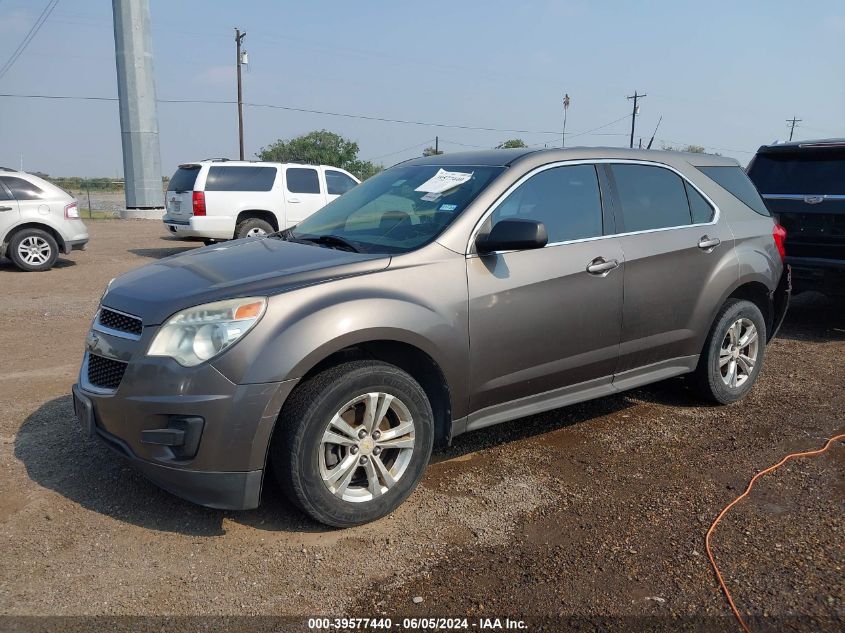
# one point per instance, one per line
(320, 147)
(695, 149)
(511, 144)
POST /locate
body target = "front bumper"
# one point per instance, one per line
(213, 489)
(139, 419)
(208, 227)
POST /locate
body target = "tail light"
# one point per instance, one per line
(199, 202)
(779, 233)
(71, 211)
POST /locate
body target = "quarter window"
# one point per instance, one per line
(302, 180)
(651, 197)
(22, 189)
(567, 200)
(338, 183)
(700, 209)
(240, 178)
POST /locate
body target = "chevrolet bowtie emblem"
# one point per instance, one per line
(813, 199)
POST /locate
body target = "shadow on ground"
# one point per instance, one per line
(815, 317)
(6, 265)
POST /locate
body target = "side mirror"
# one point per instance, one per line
(514, 234)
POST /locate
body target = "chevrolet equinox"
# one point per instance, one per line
(445, 294)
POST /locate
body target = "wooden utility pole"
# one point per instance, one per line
(239, 37)
(792, 125)
(635, 97)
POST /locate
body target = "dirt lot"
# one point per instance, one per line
(590, 517)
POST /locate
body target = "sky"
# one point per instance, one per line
(725, 75)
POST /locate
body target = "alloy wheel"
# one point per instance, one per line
(34, 250)
(366, 447)
(738, 353)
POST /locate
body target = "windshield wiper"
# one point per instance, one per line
(332, 241)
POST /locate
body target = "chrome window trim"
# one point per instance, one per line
(802, 196)
(717, 212)
(111, 331)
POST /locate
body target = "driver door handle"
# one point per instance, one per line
(708, 244)
(601, 266)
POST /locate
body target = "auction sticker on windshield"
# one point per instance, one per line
(443, 181)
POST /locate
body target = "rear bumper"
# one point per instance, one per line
(816, 273)
(76, 245)
(780, 300)
(208, 227)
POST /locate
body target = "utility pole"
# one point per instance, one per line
(239, 37)
(565, 108)
(436, 145)
(635, 97)
(792, 125)
(136, 95)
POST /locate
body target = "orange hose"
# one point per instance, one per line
(727, 593)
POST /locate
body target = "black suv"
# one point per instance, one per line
(803, 185)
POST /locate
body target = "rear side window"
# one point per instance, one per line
(303, 180)
(735, 181)
(566, 199)
(23, 189)
(700, 209)
(184, 178)
(811, 172)
(240, 179)
(338, 183)
(651, 197)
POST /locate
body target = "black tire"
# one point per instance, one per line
(251, 224)
(707, 380)
(295, 450)
(208, 242)
(39, 238)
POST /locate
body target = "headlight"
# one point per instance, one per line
(194, 335)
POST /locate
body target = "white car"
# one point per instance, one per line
(222, 199)
(38, 220)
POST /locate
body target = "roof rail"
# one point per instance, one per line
(220, 159)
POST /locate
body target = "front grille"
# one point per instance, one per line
(120, 322)
(105, 372)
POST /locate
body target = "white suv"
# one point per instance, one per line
(38, 220)
(222, 199)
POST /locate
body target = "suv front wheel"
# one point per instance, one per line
(353, 442)
(733, 353)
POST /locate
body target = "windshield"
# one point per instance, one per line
(400, 209)
(805, 173)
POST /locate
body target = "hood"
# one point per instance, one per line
(240, 268)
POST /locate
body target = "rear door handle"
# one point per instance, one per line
(601, 266)
(293, 199)
(708, 244)
(5, 208)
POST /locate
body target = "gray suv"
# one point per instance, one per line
(443, 295)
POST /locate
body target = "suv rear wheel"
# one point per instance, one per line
(33, 250)
(733, 353)
(353, 442)
(253, 227)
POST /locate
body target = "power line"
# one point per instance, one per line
(399, 151)
(322, 112)
(33, 31)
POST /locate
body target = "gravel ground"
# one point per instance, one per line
(590, 517)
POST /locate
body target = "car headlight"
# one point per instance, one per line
(194, 335)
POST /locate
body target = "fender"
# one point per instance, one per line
(425, 307)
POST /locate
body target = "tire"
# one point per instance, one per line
(253, 227)
(33, 250)
(303, 461)
(208, 242)
(713, 379)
